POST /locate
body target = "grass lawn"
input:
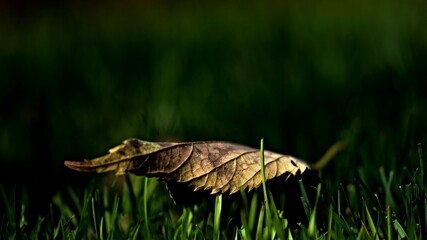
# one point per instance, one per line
(133, 207)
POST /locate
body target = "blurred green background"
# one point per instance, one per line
(79, 78)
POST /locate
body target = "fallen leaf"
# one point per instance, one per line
(210, 165)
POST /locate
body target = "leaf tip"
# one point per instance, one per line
(78, 166)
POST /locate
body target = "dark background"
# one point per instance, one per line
(78, 78)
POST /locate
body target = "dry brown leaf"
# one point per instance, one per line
(211, 165)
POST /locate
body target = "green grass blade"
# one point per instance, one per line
(248, 213)
(370, 222)
(113, 218)
(147, 228)
(420, 158)
(135, 233)
(422, 202)
(101, 229)
(253, 211)
(264, 186)
(304, 199)
(400, 231)
(244, 228)
(56, 230)
(360, 234)
(389, 236)
(239, 233)
(330, 217)
(94, 217)
(260, 225)
(132, 197)
(61, 226)
(339, 202)
(277, 223)
(387, 186)
(37, 228)
(83, 216)
(243, 233)
(312, 228)
(217, 217)
(8, 204)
